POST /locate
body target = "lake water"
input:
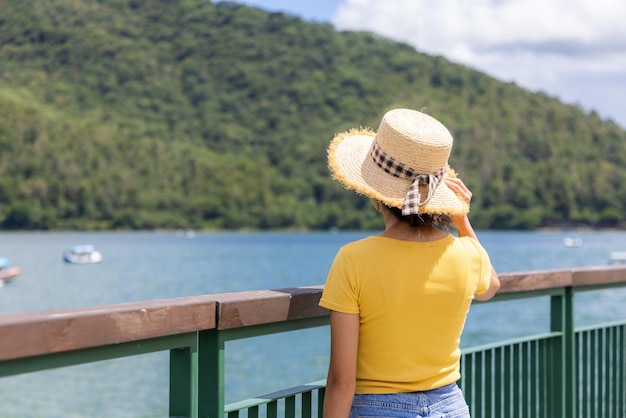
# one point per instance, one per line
(141, 266)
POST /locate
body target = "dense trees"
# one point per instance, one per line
(186, 114)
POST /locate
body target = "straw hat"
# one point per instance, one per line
(403, 165)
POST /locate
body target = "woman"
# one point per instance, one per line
(399, 300)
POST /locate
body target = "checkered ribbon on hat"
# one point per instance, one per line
(413, 199)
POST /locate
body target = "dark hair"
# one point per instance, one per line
(423, 219)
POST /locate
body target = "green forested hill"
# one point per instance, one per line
(187, 114)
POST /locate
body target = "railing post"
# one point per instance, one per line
(564, 359)
(210, 392)
(182, 382)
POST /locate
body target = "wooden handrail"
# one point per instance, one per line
(242, 309)
(551, 279)
(37, 333)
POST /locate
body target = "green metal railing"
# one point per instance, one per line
(601, 371)
(562, 373)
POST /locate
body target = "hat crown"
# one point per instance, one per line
(415, 139)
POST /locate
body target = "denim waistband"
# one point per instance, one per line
(421, 402)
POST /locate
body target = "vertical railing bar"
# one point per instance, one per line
(478, 381)
(253, 412)
(562, 320)
(542, 397)
(606, 373)
(557, 374)
(577, 370)
(497, 384)
(210, 378)
(552, 379)
(609, 372)
(521, 381)
(320, 402)
(556, 383)
(612, 361)
(181, 399)
(488, 392)
(569, 335)
(536, 393)
(272, 409)
(622, 369)
(527, 372)
(601, 376)
(517, 404)
(608, 364)
(615, 372)
(584, 374)
(540, 380)
(290, 407)
(307, 405)
(533, 377)
(543, 390)
(507, 382)
(468, 387)
(592, 372)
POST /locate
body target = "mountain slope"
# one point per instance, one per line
(147, 114)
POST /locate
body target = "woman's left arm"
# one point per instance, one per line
(341, 381)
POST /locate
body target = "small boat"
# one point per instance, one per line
(618, 257)
(573, 242)
(82, 254)
(7, 273)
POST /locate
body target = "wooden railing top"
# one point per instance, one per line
(242, 309)
(550, 279)
(37, 333)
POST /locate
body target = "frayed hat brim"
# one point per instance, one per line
(350, 163)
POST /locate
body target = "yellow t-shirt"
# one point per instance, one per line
(412, 299)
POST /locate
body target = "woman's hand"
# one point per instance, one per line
(457, 186)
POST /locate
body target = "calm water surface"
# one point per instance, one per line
(145, 266)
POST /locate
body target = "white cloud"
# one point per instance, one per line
(562, 47)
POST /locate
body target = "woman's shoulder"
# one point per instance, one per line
(360, 243)
(470, 244)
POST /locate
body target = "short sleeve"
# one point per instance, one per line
(483, 268)
(341, 290)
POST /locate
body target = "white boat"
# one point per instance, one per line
(7, 273)
(617, 257)
(573, 242)
(82, 254)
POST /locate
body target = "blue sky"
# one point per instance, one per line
(312, 10)
(571, 49)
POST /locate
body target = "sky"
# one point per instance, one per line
(574, 50)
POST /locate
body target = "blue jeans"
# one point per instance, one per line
(443, 402)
